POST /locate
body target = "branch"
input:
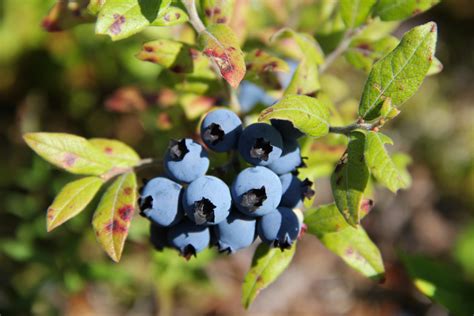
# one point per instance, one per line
(341, 48)
(346, 130)
(194, 18)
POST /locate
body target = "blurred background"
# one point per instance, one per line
(79, 83)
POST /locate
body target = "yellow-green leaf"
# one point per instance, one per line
(392, 10)
(267, 265)
(307, 114)
(221, 45)
(350, 178)
(363, 53)
(176, 56)
(114, 213)
(380, 163)
(217, 11)
(70, 152)
(72, 199)
(95, 6)
(119, 154)
(352, 244)
(435, 68)
(170, 16)
(262, 67)
(400, 73)
(355, 12)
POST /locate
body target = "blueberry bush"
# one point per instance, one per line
(264, 122)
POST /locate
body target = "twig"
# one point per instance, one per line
(194, 18)
(346, 130)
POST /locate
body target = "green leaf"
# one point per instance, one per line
(72, 199)
(119, 154)
(355, 12)
(267, 265)
(380, 164)
(114, 213)
(350, 179)
(72, 153)
(402, 161)
(441, 282)
(63, 16)
(176, 56)
(399, 74)
(362, 53)
(391, 10)
(305, 80)
(217, 11)
(261, 67)
(122, 18)
(95, 6)
(352, 244)
(171, 16)
(435, 68)
(221, 45)
(307, 114)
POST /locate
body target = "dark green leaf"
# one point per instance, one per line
(307, 114)
(352, 244)
(350, 178)
(267, 265)
(399, 74)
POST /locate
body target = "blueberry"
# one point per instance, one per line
(250, 95)
(294, 190)
(186, 160)
(289, 160)
(260, 144)
(256, 191)
(220, 130)
(280, 228)
(160, 201)
(236, 232)
(158, 236)
(286, 129)
(207, 200)
(189, 238)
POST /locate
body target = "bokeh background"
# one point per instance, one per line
(84, 84)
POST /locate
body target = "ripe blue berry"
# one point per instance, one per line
(260, 144)
(158, 236)
(286, 129)
(294, 190)
(186, 160)
(220, 130)
(256, 191)
(160, 201)
(289, 160)
(189, 238)
(207, 200)
(280, 228)
(236, 232)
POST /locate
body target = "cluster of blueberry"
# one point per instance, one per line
(190, 210)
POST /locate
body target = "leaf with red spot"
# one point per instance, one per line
(114, 213)
(352, 244)
(70, 152)
(120, 154)
(217, 11)
(393, 10)
(262, 66)
(221, 45)
(268, 264)
(171, 16)
(176, 56)
(72, 199)
(65, 14)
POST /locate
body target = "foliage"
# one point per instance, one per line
(190, 68)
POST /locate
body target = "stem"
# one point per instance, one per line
(341, 48)
(346, 130)
(142, 164)
(194, 18)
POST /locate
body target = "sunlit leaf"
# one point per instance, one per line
(355, 12)
(122, 18)
(267, 265)
(220, 44)
(170, 16)
(70, 152)
(307, 114)
(352, 244)
(350, 178)
(380, 163)
(435, 68)
(362, 54)
(114, 213)
(217, 11)
(95, 6)
(176, 56)
(399, 74)
(72, 199)
(391, 10)
(119, 154)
